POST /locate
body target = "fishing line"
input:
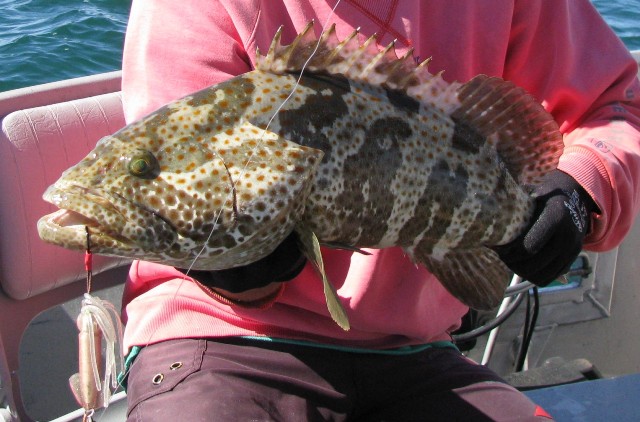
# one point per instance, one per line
(242, 172)
(264, 131)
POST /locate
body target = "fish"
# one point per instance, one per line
(340, 141)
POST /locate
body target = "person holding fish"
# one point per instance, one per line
(324, 170)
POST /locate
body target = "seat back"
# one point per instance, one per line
(36, 146)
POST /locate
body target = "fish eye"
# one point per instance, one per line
(144, 165)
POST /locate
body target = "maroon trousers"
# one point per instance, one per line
(251, 380)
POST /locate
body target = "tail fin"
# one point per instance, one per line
(527, 137)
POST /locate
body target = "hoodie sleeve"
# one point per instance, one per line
(567, 56)
(174, 48)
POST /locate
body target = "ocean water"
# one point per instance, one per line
(50, 40)
(623, 16)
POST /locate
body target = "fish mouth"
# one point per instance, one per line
(88, 215)
(74, 231)
(72, 226)
(68, 218)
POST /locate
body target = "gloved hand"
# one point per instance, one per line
(553, 240)
(283, 264)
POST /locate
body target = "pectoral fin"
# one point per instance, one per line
(310, 246)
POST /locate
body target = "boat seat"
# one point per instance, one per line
(36, 146)
(57, 125)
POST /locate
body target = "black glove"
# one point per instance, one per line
(552, 242)
(283, 264)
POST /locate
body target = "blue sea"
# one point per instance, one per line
(49, 40)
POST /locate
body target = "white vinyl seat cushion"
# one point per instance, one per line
(36, 146)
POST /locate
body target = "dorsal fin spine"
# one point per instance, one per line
(338, 47)
(369, 73)
(381, 55)
(349, 57)
(268, 60)
(329, 38)
(354, 64)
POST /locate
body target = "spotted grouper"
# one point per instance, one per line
(340, 141)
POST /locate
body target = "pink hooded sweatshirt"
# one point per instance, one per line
(561, 51)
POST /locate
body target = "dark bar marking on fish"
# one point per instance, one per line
(401, 100)
(318, 111)
(381, 151)
(489, 204)
(450, 196)
(485, 216)
(466, 138)
(323, 80)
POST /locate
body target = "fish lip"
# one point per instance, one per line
(79, 221)
(67, 198)
(84, 228)
(63, 197)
